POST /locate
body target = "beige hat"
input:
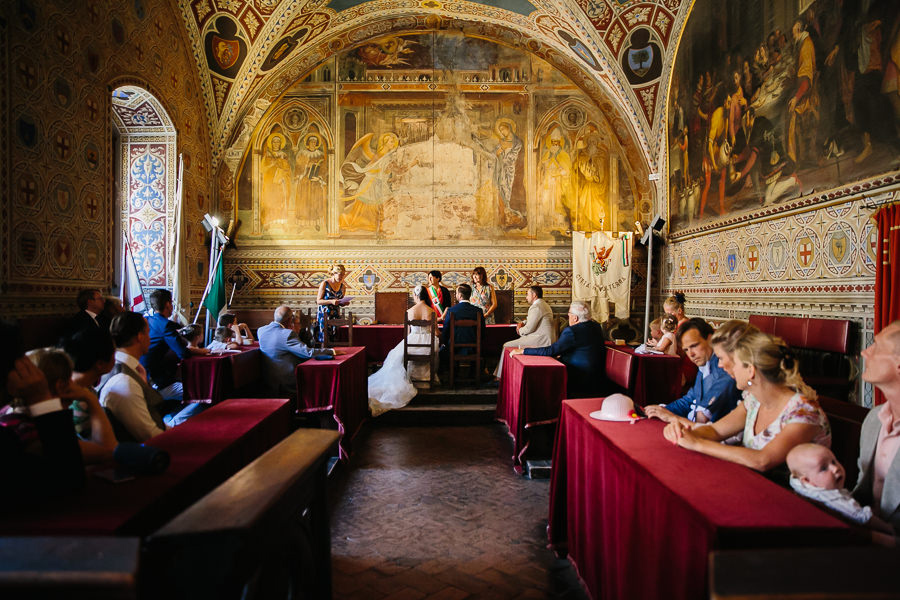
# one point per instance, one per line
(616, 407)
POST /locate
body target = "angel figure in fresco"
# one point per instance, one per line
(366, 176)
(555, 172)
(386, 52)
(591, 176)
(275, 188)
(311, 187)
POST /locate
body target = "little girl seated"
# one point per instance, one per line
(668, 324)
(193, 334)
(223, 341)
(817, 475)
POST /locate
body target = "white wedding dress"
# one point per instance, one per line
(390, 387)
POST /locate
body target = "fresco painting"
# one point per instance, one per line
(768, 104)
(438, 137)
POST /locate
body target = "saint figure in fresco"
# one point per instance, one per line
(591, 177)
(803, 107)
(555, 172)
(275, 188)
(366, 176)
(509, 173)
(311, 187)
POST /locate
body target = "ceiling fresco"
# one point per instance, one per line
(619, 51)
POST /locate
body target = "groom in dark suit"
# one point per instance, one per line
(463, 310)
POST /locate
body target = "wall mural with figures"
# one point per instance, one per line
(769, 103)
(432, 136)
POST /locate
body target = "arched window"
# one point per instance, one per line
(145, 171)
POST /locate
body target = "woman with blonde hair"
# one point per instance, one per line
(330, 297)
(779, 410)
(674, 305)
(483, 295)
(725, 339)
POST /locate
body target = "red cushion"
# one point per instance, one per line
(620, 368)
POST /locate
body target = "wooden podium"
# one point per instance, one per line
(390, 307)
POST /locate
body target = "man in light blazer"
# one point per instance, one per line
(282, 351)
(537, 330)
(879, 459)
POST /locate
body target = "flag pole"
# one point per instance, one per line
(138, 277)
(206, 291)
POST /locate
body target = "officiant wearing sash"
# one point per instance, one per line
(438, 295)
(331, 296)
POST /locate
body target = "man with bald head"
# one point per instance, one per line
(282, 351)
(879, 459)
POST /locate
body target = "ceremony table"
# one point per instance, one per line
(380, 339)
(531, 391)
(204, 451)
(339, 386)
(657, 379)
(639, 516)
(210, 379)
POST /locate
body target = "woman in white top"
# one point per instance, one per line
(779, 410)
(391, 387)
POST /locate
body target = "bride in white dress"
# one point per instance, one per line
(390, 387)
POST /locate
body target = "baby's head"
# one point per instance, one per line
(655, 332)
(224, 334)
(815, 465)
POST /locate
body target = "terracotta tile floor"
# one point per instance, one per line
(437, 512)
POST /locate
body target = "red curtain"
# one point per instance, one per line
(887, 274)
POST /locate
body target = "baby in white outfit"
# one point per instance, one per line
(816, 474)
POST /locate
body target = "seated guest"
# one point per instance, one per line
(879, 461)
(282, 351)
(582, 348)
(242, 334)
(97, 439)
(41, 457)
(164, 337)
(438, 295)
(655, 332)
(725, 339)
(674, 305)
(90, 312)
(666, 341)
(816, 474)
(92, 354)
(141, 410)
(779, 410)
(111, 307)
(224, 340)
(537, 330)
(713, 394)
(192, 334)
(463, 310)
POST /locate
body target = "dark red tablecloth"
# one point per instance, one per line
(657, 377)
(531, 391)
(205, 451)
(639, 516)
(213, 378)
(380, 339)
(338, 385)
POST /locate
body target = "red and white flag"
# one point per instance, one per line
(132, 291)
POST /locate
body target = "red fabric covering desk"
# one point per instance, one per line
(531, 391)
(338, 385)
(380, 339)
(211, 379)
(657, 379)
(205, 451)
(640, 516)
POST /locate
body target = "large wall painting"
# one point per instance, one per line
(768, 104)
(433, 137)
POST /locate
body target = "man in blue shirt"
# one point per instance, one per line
(164, 337)
(713, 394)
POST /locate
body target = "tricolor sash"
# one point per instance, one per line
(434, 294)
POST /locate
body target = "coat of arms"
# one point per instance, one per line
(600, 259)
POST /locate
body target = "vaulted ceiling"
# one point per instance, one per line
(249, 52)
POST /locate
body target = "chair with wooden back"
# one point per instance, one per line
(390, 307)
(503, 314)
(429, 356)
(470, 359)
(331, 327)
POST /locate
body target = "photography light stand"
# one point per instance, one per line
(651, 232)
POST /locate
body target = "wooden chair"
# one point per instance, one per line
(331, 326)
(503, 314)
(430, 357)
(470, 359)
(390, 307)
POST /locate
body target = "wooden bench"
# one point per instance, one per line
(801, 573)
(260, 534)
(823, 347)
